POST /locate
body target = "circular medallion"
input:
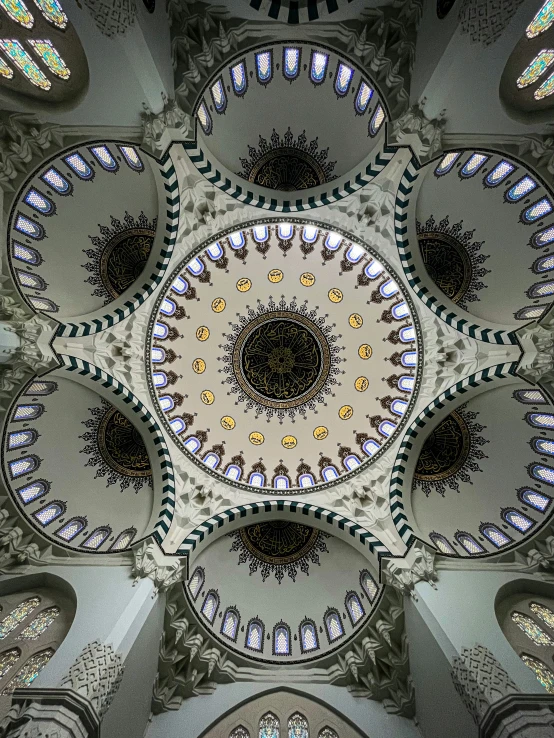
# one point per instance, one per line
(121, 445)
(447, 262)
(346, 412)
(218, 305)
(365, 351)
(203, 333)
(355, 320)
(124, 258)
(279, 542)
(321, 433)
(335, 295)
(256, 438)
(445, 450)
(207, 397)
(275, 276)
(289, 442)
(199, 366)
(228, 422)
(244, 284)
(289, 169)
(361, 384)
(307, 279)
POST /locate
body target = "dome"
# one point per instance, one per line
(283, 355)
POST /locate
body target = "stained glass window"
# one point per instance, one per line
(27, 412)
(53, 12)
(541, 420)
(196, 582)
(369, 585)
(536, 68)
(355, 609)
(543, 238)
(327, 732)
(30, 670)
(541, 289)
(285, 231)
(544, 264)
(29, 280)
(40, 387)
(15, 51)
(518, 520)
(49, 513)
(53, 178)
(239, 732)
(333, 241)
(365, 93)
(409, 358)
(205, 118)
(230, 624)
(166, 403)
(543, 446)
(499, 173)
(495, 535)
(281, 641)
(376, 120)
(29, 227)
(18, 12)
(537, 210)
(442, 544)
(39, 202)
(180, 285)
(538, 500)
(8, 659)
(69, 530)
(298, 726)
(97, 538)
(542, 473)
(218, 95)
(473, 164)
(544, 613)
(24, 465)
(132, 158)
(20, 439)
(264, 66)
(269, 726)
(43, 303)
(18, 615)
(530, 397)
(546, 89)
(541, 671)
(5, 71)
(542, 21)
(291, 62)
(254, 637)
(239, 78)
(334, 626)
(530, 313)
(50, 56)
(79, 166)
(469, 543)
(209, 608)
(532, 630)
(318, 67)
(33, 491)
(26, 254)
(521, 188)
(39, 625)
(104, 157)
(342, 79)
(123, 540)
(446, 163)
(308, 636)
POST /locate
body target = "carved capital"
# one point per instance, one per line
(49, 713)
(413, 128)
(418, 565)
(537, 341)
(159, 130)
(163, 570)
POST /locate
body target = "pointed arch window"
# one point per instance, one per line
(255, 635)
(536, 68)
(39, 624)
(30, 671)
(47, 52)
(520, 189)
(354, 608)
(368, 584)
(535, 499)
(542, 20)
(543, 238)
(333, 626)
(210, 606)
(269, 726)
(231, 622)
(30, 281)
(18, 615)
(327, 732)
(53, 12)
(24, 465)
(473, 165)
(39, 202)
(8, 659)
(76, 162)
(70, 529)
(28, 412)
(540, 289)
(502, 170)
(21, 439)
(543, 446)
(442, 544)
(318, 67)
(497, 537)
(196, 582)
(298, 726)
(544, 264)
(18, 12)
(532, 629)
(308, 636)
(281, 639)
(123, 540)
(542, 473)
(239, 732)
(543, 612)
(26, 254)
(469, 543)
(541, 671)
(33, 491)
(518, 520)
(17, 54)
(97, 538)
(537, 210)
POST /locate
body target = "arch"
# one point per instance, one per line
(210, 605)
(231, 623)
(333, 625)
(369, 585)
(354, 608)
(269, 726)
(196, 582)
(281, 641)
(255, 633)
(307, 632)
(298, 726)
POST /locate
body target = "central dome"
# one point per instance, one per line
(283, 356)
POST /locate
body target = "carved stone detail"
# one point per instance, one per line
(163, 570)
(414, 129)
(537, 341)
(159, 130)
(418, 565)
(96, 674)
(112, 17)
(485, 20)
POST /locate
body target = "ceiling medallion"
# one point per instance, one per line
(450, 452)
(452, 260)
(279, 547)
(281, 359)
(120, 256)
(117, 448)
(287, 164)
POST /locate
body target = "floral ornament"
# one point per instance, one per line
(452, 259)
(116, 447)
(287, 164)
(120, 255)
(279, 547)
(450, 453)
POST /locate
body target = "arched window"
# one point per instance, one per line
(264, 66)
(50, 512)
(219, 97)
(33, 491)
(23, 465)
(369, 585)
(333, 625)
(497, 537)
(540, 420)
(376, 120)
(281, 639)
(354, 607)
(308, 636)
(97, 538)
(21, 439)
(442, 544)
(28, 412)
(298, 726)
(230, 625)
(31, 629)
(239, 78)
(196, 582)
(473, 165)
(542, 473)
(530, 397)
(327, 732)
(291, 62)
(69, 530)
(210, 605)
(363, 98)
(269, 726)
(535, 499)
(518, 520)
(123, 540)
(446, 163)
(469, 543)
(239, 732)
(41, 388)
(255, 635)
(318, 67)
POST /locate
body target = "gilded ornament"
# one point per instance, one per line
(202, 333)
(355, 320)
(365, 351)
(228, 422)
(218, 305)
(320, 433)
(275, 276)
(335, 295)
(289, 442)
(361, 384)
(256, 438)
(244, 284)
(199, 366)
(207, 397)
(346, 412)
(307, 279)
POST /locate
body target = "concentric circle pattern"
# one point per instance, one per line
(283, 356)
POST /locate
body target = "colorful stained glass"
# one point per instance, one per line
(543, 238)
(473, 164)
(32, 491)
(254, 638)
(49, 513)
(47, 52)
(97, 538)
(354, 608)
(298, 726)
(209, 607)
(281, 641)
(104, 157)
(269, 726)
(537, 210)
(521, 188)
(536, 68)
(542, 21)
(18, 615)
(546, 89)
(52, 11)
(18, 12)
(334, 626)
(518, 520)
(532, 630)
(71, 529)
(536, 499)
(495, 535)
(291, 62)
(239, 78)
(376, 120)
(15, 51)
(499, 173)
(327, 732)
(5, 71)
(79, 166)
(30, 670)
(541, 671)
(55, 180)
(446, 163)
(544, 613)
(239, 732)
(123, 540)
(39, 625)
(8, 659)
(365, 93)
(230, 624)
(264, 66)
(318, 67)
(309, 637)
